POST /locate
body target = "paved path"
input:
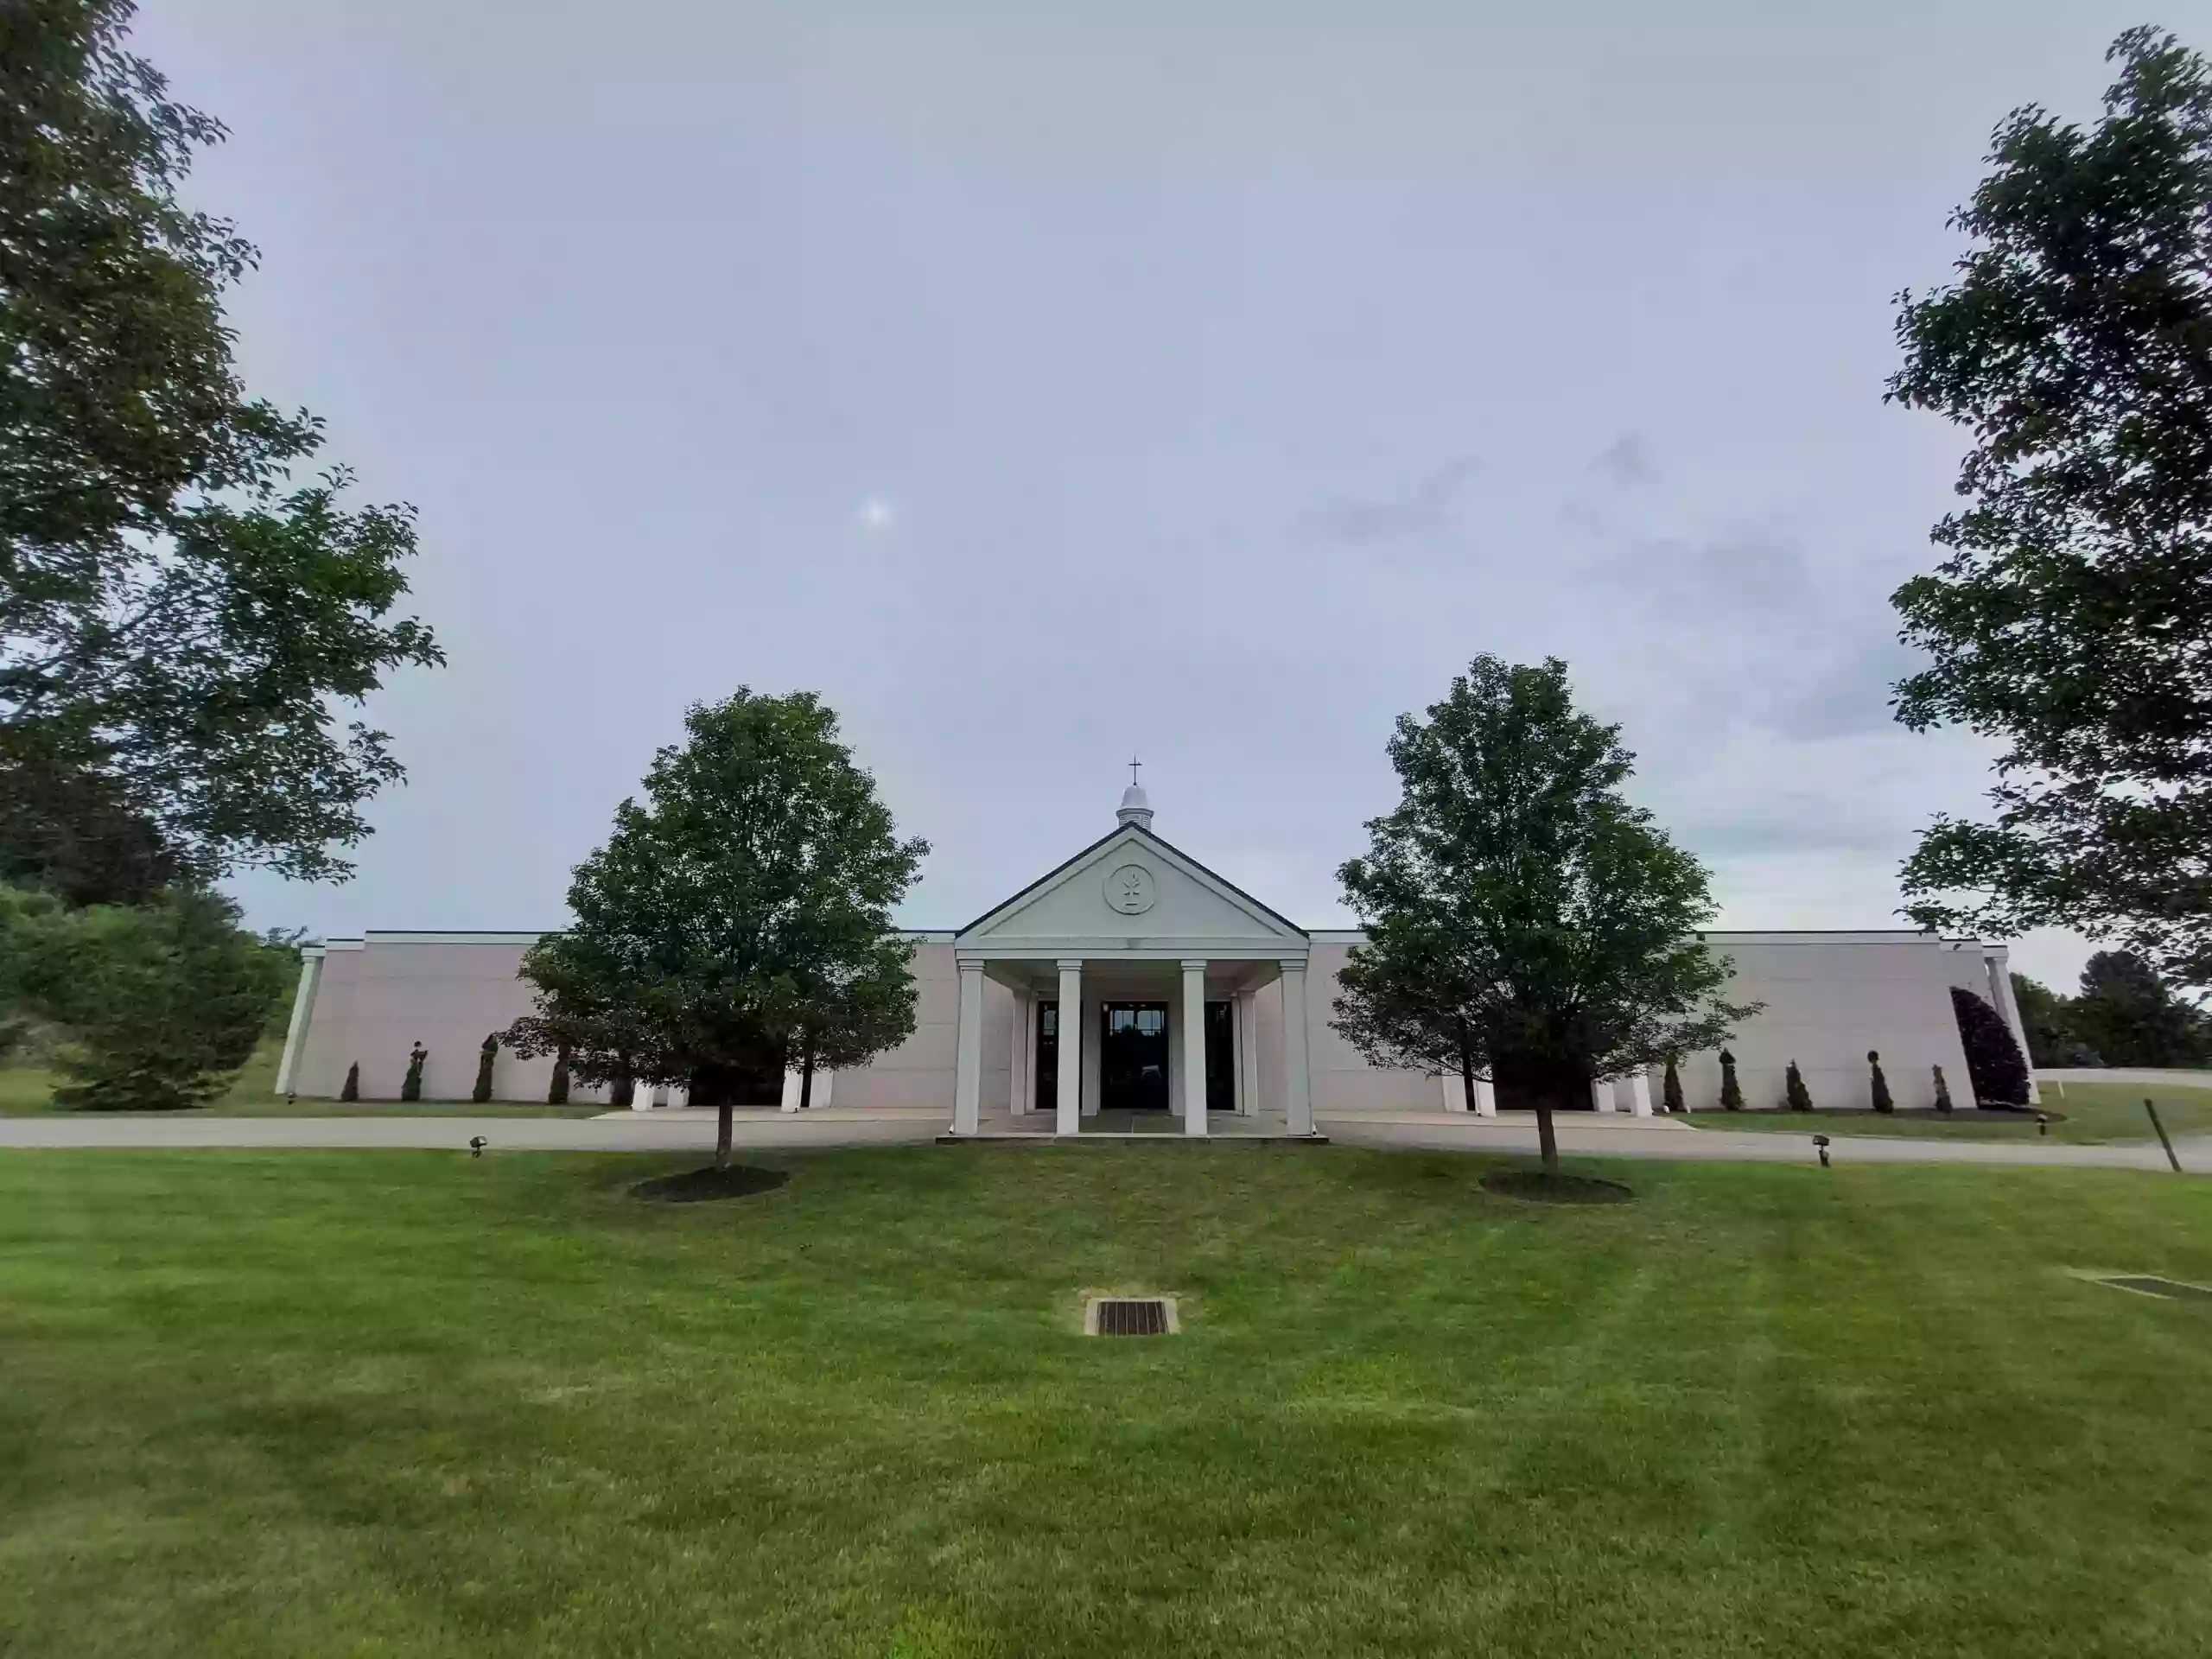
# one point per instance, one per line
(1656, 1139)
(694, 1132)
(618, 1132)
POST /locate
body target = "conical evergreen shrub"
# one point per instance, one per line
(352, 1090)
(485, 1057)
(1794, 1094)
(1732, 1092)
(556, 1092)
(1995, 1067)
(1670, 1088)
(410, 1087)
(1880, 1084)
(1942, 1090)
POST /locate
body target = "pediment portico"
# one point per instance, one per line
(1162, 960)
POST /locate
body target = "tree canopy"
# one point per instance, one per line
(1523, 918)
(2124, 1013)
(179, 615)
(746, 902)
(2071, 616)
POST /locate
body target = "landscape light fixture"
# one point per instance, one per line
(1821, 1145)
(476, 1145)
(2043, 1124)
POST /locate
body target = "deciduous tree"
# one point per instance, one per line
(181, 618)
(2070, 616)
(1517, 903)
(747, 901)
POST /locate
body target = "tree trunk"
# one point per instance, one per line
(1547, 1142)
(1467, 1067)
(722, 1134)
(806, 1076)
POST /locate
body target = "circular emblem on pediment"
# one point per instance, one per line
(1129, 889)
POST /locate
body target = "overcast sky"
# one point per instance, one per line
(1045, 383)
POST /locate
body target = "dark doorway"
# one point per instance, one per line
(1048, 1057)
(751, 1078)
(1133, 1057)
(1221, 1058)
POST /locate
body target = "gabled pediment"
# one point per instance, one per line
(1132, 893)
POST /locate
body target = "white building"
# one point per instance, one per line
(1151, 946)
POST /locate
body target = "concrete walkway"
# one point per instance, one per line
(1656, 1138)
(659, 1131)
(694, 1131)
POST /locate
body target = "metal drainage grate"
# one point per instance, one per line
(2148, 1285)
(1130, 1316)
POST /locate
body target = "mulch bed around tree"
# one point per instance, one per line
(701, 1186)
(1536, 1187)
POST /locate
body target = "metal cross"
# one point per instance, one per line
(1134, 764)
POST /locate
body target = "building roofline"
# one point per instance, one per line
(1165, 845)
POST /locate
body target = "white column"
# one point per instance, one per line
(791, 1088)
(1601, 1095)
(1486, 1097)
(822, 1079)
(679, 1094)
(1194, 1047)
(1068, 1085)
(1297, 1079)
(1237, 1050)
(641, 1096)
(1089, 1030)
(2008, 1009)
(1018, 1067)
(303, 1011)
(968, 1058)
(1639, 1094)
(1175, 1056)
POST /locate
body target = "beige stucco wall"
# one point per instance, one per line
(919, 1072)
(375, 1003)
(1829, 998)
(1341, 1081)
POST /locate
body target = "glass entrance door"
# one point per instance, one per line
(1048, 1057)
(1221, 1058)
(1133, 1057)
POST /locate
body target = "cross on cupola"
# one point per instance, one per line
(1135, 809)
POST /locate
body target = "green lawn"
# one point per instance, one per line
(2092, 1112)
(407, 1403)
(30, 1089)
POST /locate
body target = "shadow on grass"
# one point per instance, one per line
(1534, 1186)
(704, 1185)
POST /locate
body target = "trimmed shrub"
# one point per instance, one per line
(1671, 1089)
(1995, 1067)
(411, 1088)
(1942, 1090)
(1732, 1092)
(1880, 1084)
(1795, 1094)
(485, 1057)
(351, 1091)
(556, 1092)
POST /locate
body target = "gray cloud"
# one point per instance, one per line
(1848, 697)
(1074, 288)
(1732, 574)
(1427, 507)
(1626, 461)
